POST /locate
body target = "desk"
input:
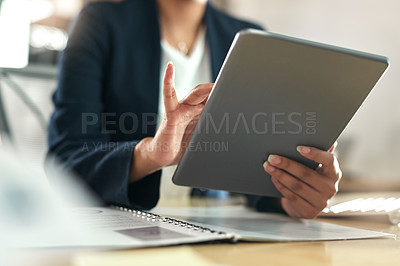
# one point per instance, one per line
(350, 252)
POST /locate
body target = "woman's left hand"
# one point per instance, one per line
(306, 192)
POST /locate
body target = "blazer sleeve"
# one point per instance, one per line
(87, 150)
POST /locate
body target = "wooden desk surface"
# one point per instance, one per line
(349, 252)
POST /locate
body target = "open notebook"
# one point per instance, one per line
(124, 228)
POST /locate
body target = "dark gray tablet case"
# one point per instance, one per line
(272, 94)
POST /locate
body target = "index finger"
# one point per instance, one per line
(170, 98)
(325, 158)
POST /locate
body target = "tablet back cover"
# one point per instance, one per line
(272, 94)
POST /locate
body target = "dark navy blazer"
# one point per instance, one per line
(108, 89)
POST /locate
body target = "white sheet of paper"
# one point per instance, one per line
(113, 228)
(250, 225)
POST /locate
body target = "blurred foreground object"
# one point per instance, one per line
(33, 213)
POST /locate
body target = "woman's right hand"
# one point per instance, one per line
(167, 146)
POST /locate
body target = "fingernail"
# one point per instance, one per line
(274, 159)
(173, 68)
(303, 149)
(268, 167)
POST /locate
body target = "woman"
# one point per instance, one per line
(104, 127)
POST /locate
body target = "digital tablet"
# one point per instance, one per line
(274, 93)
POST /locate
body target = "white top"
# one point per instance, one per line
(190, 71)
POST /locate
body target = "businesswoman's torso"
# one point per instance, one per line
(111, 71)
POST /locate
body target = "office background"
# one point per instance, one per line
(368, 148)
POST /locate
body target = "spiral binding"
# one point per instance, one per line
(157, 218)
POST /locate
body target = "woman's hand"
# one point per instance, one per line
(306, 192)
(179, 121)
(170, 141)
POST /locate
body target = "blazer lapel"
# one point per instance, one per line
(219, 35)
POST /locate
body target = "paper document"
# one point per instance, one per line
(113, 228)
(246, 224)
